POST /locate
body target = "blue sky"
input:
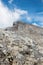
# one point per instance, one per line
(29, 11)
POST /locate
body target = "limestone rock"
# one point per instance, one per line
(23, 46)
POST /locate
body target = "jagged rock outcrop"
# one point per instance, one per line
(23, 46)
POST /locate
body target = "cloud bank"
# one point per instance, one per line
(7, 17)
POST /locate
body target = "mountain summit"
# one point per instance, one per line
(21, 44)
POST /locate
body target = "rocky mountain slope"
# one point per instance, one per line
(21, 44)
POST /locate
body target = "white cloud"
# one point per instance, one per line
(38, 18)
(29, 18)
(35, 24)
(21, 11)
(10, 1)
(40, 13)
(7, 17)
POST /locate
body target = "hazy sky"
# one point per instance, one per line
(29, 11)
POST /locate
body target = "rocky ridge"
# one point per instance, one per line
(21, 44)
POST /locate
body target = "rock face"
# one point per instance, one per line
(21, 46)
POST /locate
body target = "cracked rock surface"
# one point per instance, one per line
(21, 48)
